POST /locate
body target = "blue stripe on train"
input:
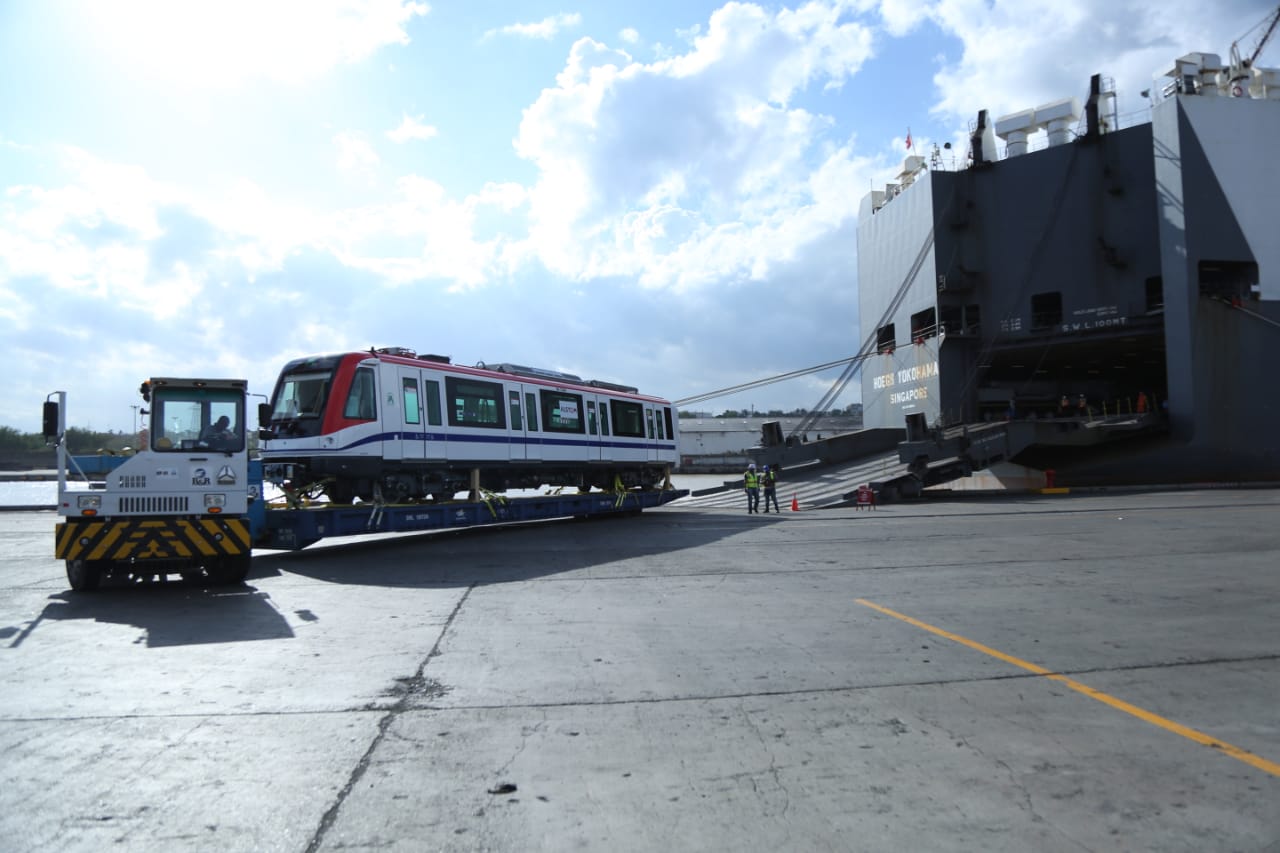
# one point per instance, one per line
(453, 438)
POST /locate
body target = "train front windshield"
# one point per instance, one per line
(300, 399)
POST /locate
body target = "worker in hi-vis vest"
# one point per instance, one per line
(752, 482)
(769, 480)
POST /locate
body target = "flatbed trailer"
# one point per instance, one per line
(291, 529)
(190, 500)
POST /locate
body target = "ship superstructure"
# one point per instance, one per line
(1116, 288)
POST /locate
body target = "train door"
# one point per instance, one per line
(409, 409)
(436, 435)
(593, 431)
(651, 444)
(516, 424)
(532, 433)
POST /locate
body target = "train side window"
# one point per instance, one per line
(514, 397)
(658, 419)
(604, 418)
(531, 406)
(648, 416)
(562, 412)
(473, 403)
(671, 427)
(591, 417)
(412, 405)
(628, 418)
(362, 397)
(433, 402)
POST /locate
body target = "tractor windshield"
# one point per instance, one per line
(186, 419)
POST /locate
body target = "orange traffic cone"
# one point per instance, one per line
(795, 504)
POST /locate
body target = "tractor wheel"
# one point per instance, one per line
(84, 575)
(230, 571)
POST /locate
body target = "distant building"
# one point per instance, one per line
(721, 444)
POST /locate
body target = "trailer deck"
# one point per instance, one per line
(294, 529)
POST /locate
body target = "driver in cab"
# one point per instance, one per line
(218, 435)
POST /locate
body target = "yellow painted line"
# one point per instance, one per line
(1119, 704)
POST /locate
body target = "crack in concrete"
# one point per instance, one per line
(401, 706)
(773, 771)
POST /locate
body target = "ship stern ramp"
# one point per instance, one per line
(933, 457)
(816, 474)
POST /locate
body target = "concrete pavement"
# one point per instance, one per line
(688, 679)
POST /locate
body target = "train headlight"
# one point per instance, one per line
(214, 503)
(89, 501)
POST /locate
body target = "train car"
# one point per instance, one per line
(389, 424)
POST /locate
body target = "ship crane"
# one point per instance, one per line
(1241, 66)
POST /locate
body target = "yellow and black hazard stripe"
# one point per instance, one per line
(151, 538)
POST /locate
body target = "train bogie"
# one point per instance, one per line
(388, 425)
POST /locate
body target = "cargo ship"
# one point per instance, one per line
(1100, 303)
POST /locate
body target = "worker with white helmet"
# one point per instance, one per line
(751, 480)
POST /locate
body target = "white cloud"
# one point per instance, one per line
(545, 29)
(692, 169)
(422, 234)
(630, 35)
(902, 16)
(219, 45)
(1018, 54)
(356, 156)
(412, 128)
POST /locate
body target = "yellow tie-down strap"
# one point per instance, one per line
(151, 538)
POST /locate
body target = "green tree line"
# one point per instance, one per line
(851, 410)
(79, 441)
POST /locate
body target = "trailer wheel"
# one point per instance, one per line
(84, 575)
(230, 571)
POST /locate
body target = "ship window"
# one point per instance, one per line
(1155, 293)
(924, 324)
(951, 319)
(412, 406)
(885, 338)
(628, 418)
(972, 319)
(433, 402)
(561, 412)
(362, 397)
(1046, 310)
(1229, 279)
(474, 403)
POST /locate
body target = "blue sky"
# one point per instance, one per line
(659, 194)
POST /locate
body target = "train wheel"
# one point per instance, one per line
(340, 493)
(84, 575)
